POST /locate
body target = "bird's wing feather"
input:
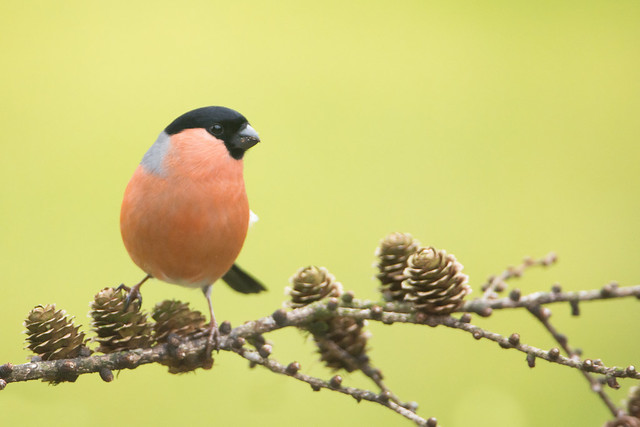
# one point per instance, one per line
(241, 281)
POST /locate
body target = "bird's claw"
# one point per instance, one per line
(123, 287)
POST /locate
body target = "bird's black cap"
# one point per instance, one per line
(223, 123)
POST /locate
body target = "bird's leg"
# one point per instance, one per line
(133, 293)
(214, 334)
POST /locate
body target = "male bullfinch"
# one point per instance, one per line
(185, 212)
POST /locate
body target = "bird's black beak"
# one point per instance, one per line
(245, 138)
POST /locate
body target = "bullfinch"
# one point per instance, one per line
(185, 212)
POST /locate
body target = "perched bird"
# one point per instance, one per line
(185, 212)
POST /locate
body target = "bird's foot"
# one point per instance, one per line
(132, 295)
(213, 341)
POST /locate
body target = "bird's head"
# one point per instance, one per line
(223, 123)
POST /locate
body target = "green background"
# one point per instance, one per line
(493, 130)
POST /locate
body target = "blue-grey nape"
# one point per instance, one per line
(153, 160)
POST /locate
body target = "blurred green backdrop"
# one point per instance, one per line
(493, 130)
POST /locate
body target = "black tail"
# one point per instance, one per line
(241, 281)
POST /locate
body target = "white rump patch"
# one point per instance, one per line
(253, 218)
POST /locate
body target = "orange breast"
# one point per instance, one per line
(187, 224)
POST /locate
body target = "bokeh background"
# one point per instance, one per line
(492, 129)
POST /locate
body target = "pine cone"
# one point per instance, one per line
(52, 335)
(118, 330)
(393, 252)
(311, 284)
(343, 335)
(624, 421)
(633, 402)
(175, 317)
(435, 283)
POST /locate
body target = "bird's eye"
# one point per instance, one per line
(217, 129)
